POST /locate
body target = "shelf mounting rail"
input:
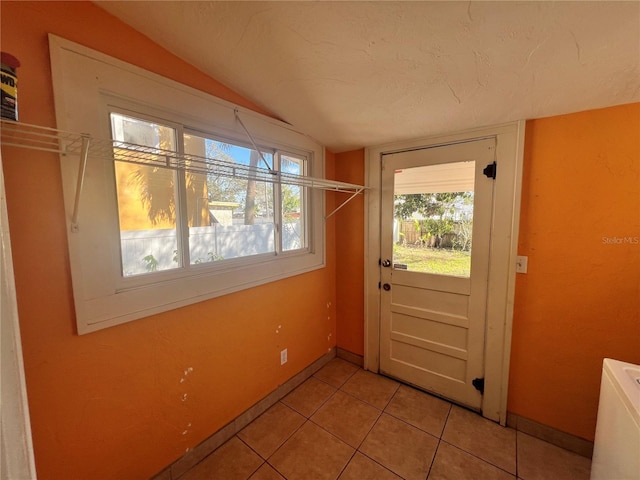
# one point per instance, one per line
(34, 137)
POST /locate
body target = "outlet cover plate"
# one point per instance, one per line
(522, 262)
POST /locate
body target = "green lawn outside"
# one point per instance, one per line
(433, 260)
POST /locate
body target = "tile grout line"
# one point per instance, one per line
(489, 462)
(366, 402)
(383, 411)
(334, 436)
(356, 449)
(266, 460)
(481, 459)
(395, 392)
(250, 448)
(380, 464)
(319, 406)
(409, 424)
(380, 412)
(308, 419)
(346, 464)
(435, 454)
(433, 460)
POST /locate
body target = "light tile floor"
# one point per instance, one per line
(348, 424)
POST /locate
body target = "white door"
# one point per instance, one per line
(435, 241)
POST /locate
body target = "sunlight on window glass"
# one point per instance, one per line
(228, 217)
(293, 222)
(146, 200)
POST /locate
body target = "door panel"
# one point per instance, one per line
(434, 301)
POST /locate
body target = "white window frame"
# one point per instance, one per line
(145, 114)
(86, 85)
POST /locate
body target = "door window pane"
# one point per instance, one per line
(433, 210)
(146, 199)
(228, 217)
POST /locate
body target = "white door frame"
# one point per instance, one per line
(16, 447)
(504, 244)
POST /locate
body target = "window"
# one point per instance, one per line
(160, 235)
(433, 218)
(147, 200)
(177, 220)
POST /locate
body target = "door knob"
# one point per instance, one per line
(386, 287)
(386, 263)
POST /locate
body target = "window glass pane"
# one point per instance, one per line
(293, 208)
(146, 200)
(434, 218)
(228, 217)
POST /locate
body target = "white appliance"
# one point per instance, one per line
(616, 453)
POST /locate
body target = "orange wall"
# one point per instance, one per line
(350, 255)
(580, 300)
(126, 401)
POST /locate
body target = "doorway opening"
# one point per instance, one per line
(420, 288)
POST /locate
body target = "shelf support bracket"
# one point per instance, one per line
(355, 194)
(255, 147)
(84, 153)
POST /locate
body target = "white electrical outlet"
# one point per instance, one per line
(283, 357)
(521, 264)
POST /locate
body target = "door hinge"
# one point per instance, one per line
(491, 170)
(379, 285)
(478, 383)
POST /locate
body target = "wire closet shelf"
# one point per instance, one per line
(18, 134)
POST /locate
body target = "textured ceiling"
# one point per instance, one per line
(354, 74)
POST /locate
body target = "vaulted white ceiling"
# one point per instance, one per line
(354, 74)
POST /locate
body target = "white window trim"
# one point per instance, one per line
(85, 83)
